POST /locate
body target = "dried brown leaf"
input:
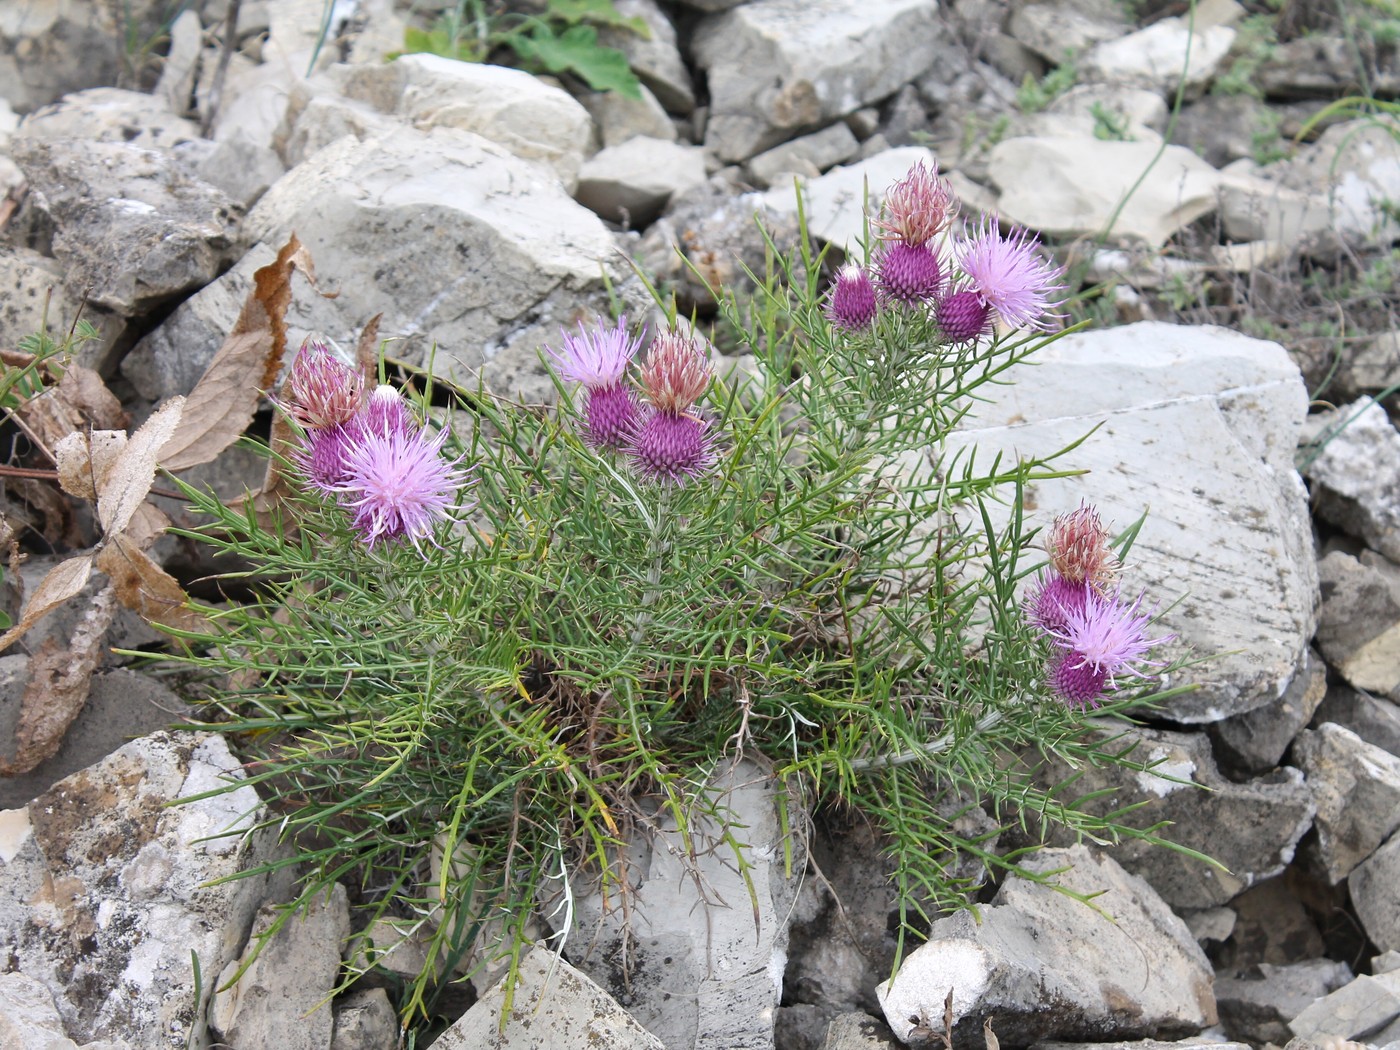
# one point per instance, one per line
(128, 480)
(146, 526)
(48, 418)
(147, 589)
(83, 460)
(276, 488)
(223, 401)
(63, 581)
(993, 1043)
(85, 391)
(59, 677)
(367, 351)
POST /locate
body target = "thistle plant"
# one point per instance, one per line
(480, 658)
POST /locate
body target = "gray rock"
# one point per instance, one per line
(1318, 65)
(1354, 1011)
(242, 169)
(801, 1026)
(1357, 788)
(1359, 628)
(777, 67)
(1375, 366)
(1374, 720)
(29, 1019)
(35, 296)
(1199, 425)
(698, 973)
(619, 118)
(454, 240)
(857, 1031)
(1056, 30)
(1251, 828)
(106, 893)
(1209, 925)
(283, 996)
(1257, 1006)
(1256, 208)
(1155, 57)
(1256, 740)
(654, 58)
(819, 151)
(1271, 926)
(1073, 186)
(121, 704)
(1043, 965)
(1355, 169)
(1221, 128)
(1205, 1041)
(108, 114)
(109, 200)
(365, 1020)
(180, 69)
(554, 1007)
(1353, 460)
(632, 183)
(1375, 891)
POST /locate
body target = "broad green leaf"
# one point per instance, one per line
(577, 51)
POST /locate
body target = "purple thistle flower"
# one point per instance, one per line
(321, 391)
(672, 447)
(852, 301)
(964, 315)
(1010, 276)
(397, 483)
(677, 372)
(1048, 606)
(917, 207)
(909, 273)
(386, 412)
(1079, 549)
(599, 360)
(321, 457)
(1101, 639)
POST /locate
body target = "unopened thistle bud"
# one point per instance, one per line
(1079, 549)
(909, 273)
(917, 208)
(321, 391)
(852, 302)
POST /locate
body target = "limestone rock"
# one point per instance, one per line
(107, 891)
(815, 153)
(1357, 787)
(1054, 30)
(1355, 169)
(108, 114)
(1256, 740)
(1354, 461)
(1319, 65)
(1204, 1041)
(34, 293)
(365, 1020)
(110, 200)
(655, 58)
(283, 996)
(633, 182)
(619, 118)
(1067, 187)
(1374, 720)
(1359, 630)
(857, 1031)
(1043, 965)
(1259, 209)
(777, 67)
(1198, 424)
(713, 971)
(1258, 1005)
(454, 240)
(555, 1007)
(1375, 365)
(1271, 926)
(1156, 56)
(1355, 1011)
(29, 1020)
(1375, 891)
(1251, 828)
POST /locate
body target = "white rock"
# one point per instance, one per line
(1043, 965)
(633, 182)
(109, 114)
(554, 1007)
(820, 151)
(1357, 788)
(1355, 168)
(654, 58)
(1258, 209)
(1144, 113)
(776, 67)
(1067, 187)
(29, 1019)
(1354, 461)
(1353, 1011)
(1054, 31)
(181, 65)
(619, 118)
(1155, 57)
(1197, 427)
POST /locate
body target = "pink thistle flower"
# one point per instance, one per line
(1048, 606)
(964, 315)
(1010, 276)
(321, 457)
(677, 372)
(909, 273)
(321, 391)
(385, 412)
(1079, 549)
(599, 360)
(672, 447)
(397, 484)
(918, 207)
(1098, 641)
(851, 304)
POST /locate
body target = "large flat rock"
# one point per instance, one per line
(1197, 427)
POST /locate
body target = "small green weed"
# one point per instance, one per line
(1108, 125)
(1034, 95)
(1255, 44)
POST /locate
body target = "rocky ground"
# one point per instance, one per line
(1229, 221)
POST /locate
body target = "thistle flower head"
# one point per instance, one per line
(852, 301)
(963, 315)
(397, 484)
(1011, 276)
(910, 273)
(322, 391)
(385, 412)
(596, 358)
(1079, 549)
(1052, 599)
(1098, 641)
(677, 371)
(918, 207)
(672, 447)
(321, 457)
(610, 415)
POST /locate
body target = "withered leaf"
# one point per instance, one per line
(84, 390)
(63, 581)
(367, 351)
(147, 589)
(47, 418)
(83, 460)
(129, 479)
(276, 488)
(146, 526)
(59, 677)
(222, 403)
